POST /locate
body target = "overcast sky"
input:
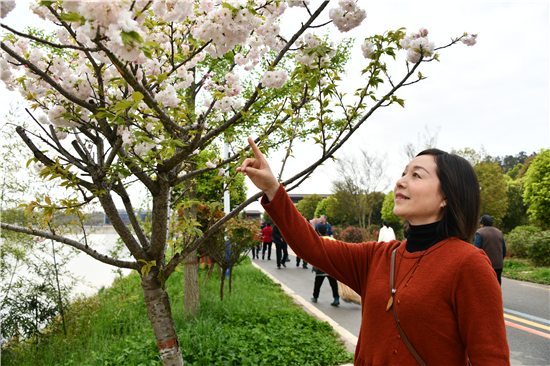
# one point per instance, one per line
(494, 94)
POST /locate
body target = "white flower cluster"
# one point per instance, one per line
(274, 79)
(231, 88)
(298, 3)
(367, 47)
(104, 18)
(347, 15)
(129, 140)
(470, 40)
(5, 7)
(309, 41)
(168, 97)
(417, 45)
(186, 78)
(173, 11)
(259, 31)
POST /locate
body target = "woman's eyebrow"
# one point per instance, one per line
(421, 167)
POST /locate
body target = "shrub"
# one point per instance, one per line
(372, 233)
(353, 235)
(337, 231)
(538, 248)
(517, 239)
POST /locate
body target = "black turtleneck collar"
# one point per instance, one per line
(423, 237)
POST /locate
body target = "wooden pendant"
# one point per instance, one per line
(390, 303)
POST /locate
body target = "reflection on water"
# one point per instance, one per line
(94, 273)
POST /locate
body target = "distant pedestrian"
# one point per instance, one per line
(386, 232)
(267, 233)
(491, 241)
(256, 249)
(324, 222)
(320, 275)
(304, 263)
(280, 247)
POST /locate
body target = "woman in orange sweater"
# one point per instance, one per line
(445, 294)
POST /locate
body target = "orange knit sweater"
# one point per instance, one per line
(451, 309)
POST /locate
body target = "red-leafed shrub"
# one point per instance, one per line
(353, 235)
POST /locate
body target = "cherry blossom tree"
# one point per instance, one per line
(129, 92)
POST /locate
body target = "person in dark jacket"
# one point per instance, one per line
(491, 241)
(280, 247)
(320, 275)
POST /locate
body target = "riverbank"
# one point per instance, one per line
(258, 324)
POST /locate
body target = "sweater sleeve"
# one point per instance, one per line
(479, 311)
(345, 262)
(477, 241)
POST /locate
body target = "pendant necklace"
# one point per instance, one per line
(415, 266)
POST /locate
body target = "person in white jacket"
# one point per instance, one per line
(386, 232)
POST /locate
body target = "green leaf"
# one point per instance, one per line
(71, 17)
(122, 105)
(229, 56)
(147, 266)
(31, 160)
(147, 52)
(128, 37)
(101, 115)
(137, 96)
(179, 143)
(228, 6)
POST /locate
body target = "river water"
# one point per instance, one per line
(93, 273)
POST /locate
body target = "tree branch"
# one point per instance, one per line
(48, 79)
(121, 191)
(47, 161)
(40, 40)
(73, 243)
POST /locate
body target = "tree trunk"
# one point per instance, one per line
(230, 278)
(210, 270)
(222, 281)
(160, 315)
(191, 295)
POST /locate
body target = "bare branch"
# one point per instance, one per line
(73, 243)
(121, 191)
(47, 161)
(40, 40)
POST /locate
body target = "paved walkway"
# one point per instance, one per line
(297, 282)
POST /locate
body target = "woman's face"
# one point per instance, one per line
(417, 197)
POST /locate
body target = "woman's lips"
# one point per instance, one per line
(400, 197)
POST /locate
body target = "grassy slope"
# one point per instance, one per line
(257, 325)
(522, 270)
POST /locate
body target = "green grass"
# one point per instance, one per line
(518, 269)
(257, 325)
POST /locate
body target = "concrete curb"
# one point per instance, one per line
(347, 337)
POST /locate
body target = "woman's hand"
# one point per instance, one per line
(258, 171)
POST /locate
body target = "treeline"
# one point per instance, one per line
(515, 191)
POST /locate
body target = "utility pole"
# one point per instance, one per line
(226, 199)
(226, 195)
